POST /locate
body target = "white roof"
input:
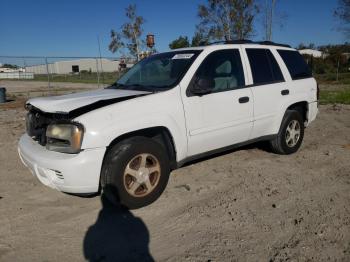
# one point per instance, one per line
(223, 46)
(312, 52)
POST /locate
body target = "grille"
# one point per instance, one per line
(59, 175)
(36, 125)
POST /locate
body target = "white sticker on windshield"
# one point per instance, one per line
(182, 56)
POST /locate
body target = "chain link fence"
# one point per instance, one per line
(91, 70)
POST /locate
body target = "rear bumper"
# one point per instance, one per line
(71, 173)
(312, 112)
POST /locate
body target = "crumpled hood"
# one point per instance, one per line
(68, 103)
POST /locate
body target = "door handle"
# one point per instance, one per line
(285, 92)
(243, 99)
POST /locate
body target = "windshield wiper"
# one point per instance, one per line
(138, 87)
(116, 85)
(135, 87)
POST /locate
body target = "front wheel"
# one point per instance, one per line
(135, 172)
(290, 135)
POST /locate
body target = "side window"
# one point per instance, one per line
(296, 64)
(264, 66)
(225, 68)
(275, 68)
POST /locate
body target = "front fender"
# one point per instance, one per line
(159, 110)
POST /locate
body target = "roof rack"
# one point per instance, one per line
(232, 42)
(272, 43)
(245, 41)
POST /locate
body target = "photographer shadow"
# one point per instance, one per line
(117, 235)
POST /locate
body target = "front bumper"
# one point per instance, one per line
(71, 173)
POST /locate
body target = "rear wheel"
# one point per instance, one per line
(290, 135)
(135, 172)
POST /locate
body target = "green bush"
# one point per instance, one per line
(335, 96)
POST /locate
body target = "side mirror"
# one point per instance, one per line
(202, 86)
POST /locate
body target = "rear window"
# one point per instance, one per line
(264, 66)
(296, 64)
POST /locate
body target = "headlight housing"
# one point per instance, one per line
(65, 138)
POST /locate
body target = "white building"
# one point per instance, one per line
(14, 73)
(312, 52)
(75, 66)
(11, 70)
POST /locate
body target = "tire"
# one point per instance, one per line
(135, 172)
(282, 144)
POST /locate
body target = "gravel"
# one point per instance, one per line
(245, 205)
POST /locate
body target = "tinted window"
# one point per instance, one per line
(264, 66)
(225, 68)
(296, 64)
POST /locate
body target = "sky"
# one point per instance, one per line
(71, 28)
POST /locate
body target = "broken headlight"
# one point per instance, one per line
(64, 138)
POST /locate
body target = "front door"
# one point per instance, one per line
(224, 115)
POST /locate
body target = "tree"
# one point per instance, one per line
(334, 60)
(180, 42)
(199, 38)
(271, 17)
(309, 46)
(133, 30)
(343, 14)
(116, 42)
(228, 19)
(131, 33)
(9, 66)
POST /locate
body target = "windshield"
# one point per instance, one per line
(157, 72)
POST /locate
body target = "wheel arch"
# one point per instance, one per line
(302, 107)
(160, 134)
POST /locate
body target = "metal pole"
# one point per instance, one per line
(48, 73)
(338, 69)
(98, 73)
(99, 50)
(24, 67)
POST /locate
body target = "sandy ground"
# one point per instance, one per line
(246, 205)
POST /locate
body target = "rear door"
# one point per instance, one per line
(302, 82)
(268, 86)
(224, 116)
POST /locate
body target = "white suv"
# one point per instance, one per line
(166, 110)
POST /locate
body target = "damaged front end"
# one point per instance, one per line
(56, 131)
(38, 121)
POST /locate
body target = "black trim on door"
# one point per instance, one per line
(223, 149)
